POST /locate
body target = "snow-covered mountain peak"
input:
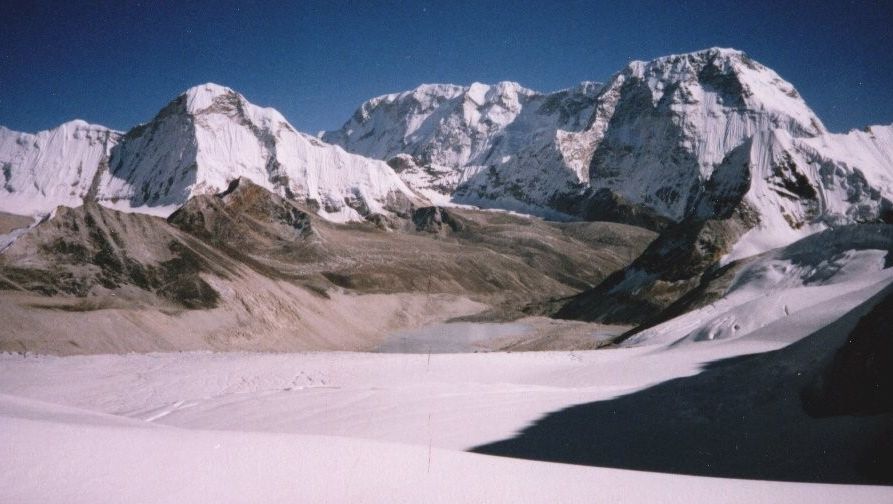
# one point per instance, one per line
(68, 128)
(203, 96)
(211, 135)
(670, 123)
(422, 95)
(732, 79)
(681, 136)
(463, 127)
(76, 124)
(499, 93)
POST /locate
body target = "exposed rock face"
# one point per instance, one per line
(243, 215)
(247, 236)
(673, 265)
(435, 220)
(91, 250)
(609, 206)
(669, 268)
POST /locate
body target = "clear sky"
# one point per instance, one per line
(118, 62)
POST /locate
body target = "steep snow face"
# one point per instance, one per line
(53, 167)
(695, 135)
(499, 145)
(197, 144)
(668, 124)
(211, 135)
(803, 185)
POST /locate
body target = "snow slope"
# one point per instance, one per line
(211, 135)
(94, 460)
(53, 167)
(671, 122)
(790, 291)
(316, 427)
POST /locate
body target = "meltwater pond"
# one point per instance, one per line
(453, 337)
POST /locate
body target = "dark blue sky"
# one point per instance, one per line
(117, 63)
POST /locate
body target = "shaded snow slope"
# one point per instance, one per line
(84, 461)
(742, 417)
(222, 427)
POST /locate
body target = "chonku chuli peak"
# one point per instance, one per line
(205, 138)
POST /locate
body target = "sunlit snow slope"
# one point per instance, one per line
(50, 168)
(788, 292)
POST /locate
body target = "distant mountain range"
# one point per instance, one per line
(712, 150)
(701, 135)
(711, 134)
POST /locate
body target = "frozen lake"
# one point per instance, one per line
(465, 337)
(453, 337)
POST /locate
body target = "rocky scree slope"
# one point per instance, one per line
(248, 239)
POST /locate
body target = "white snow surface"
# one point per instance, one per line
(79, 457)
(333, 427)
